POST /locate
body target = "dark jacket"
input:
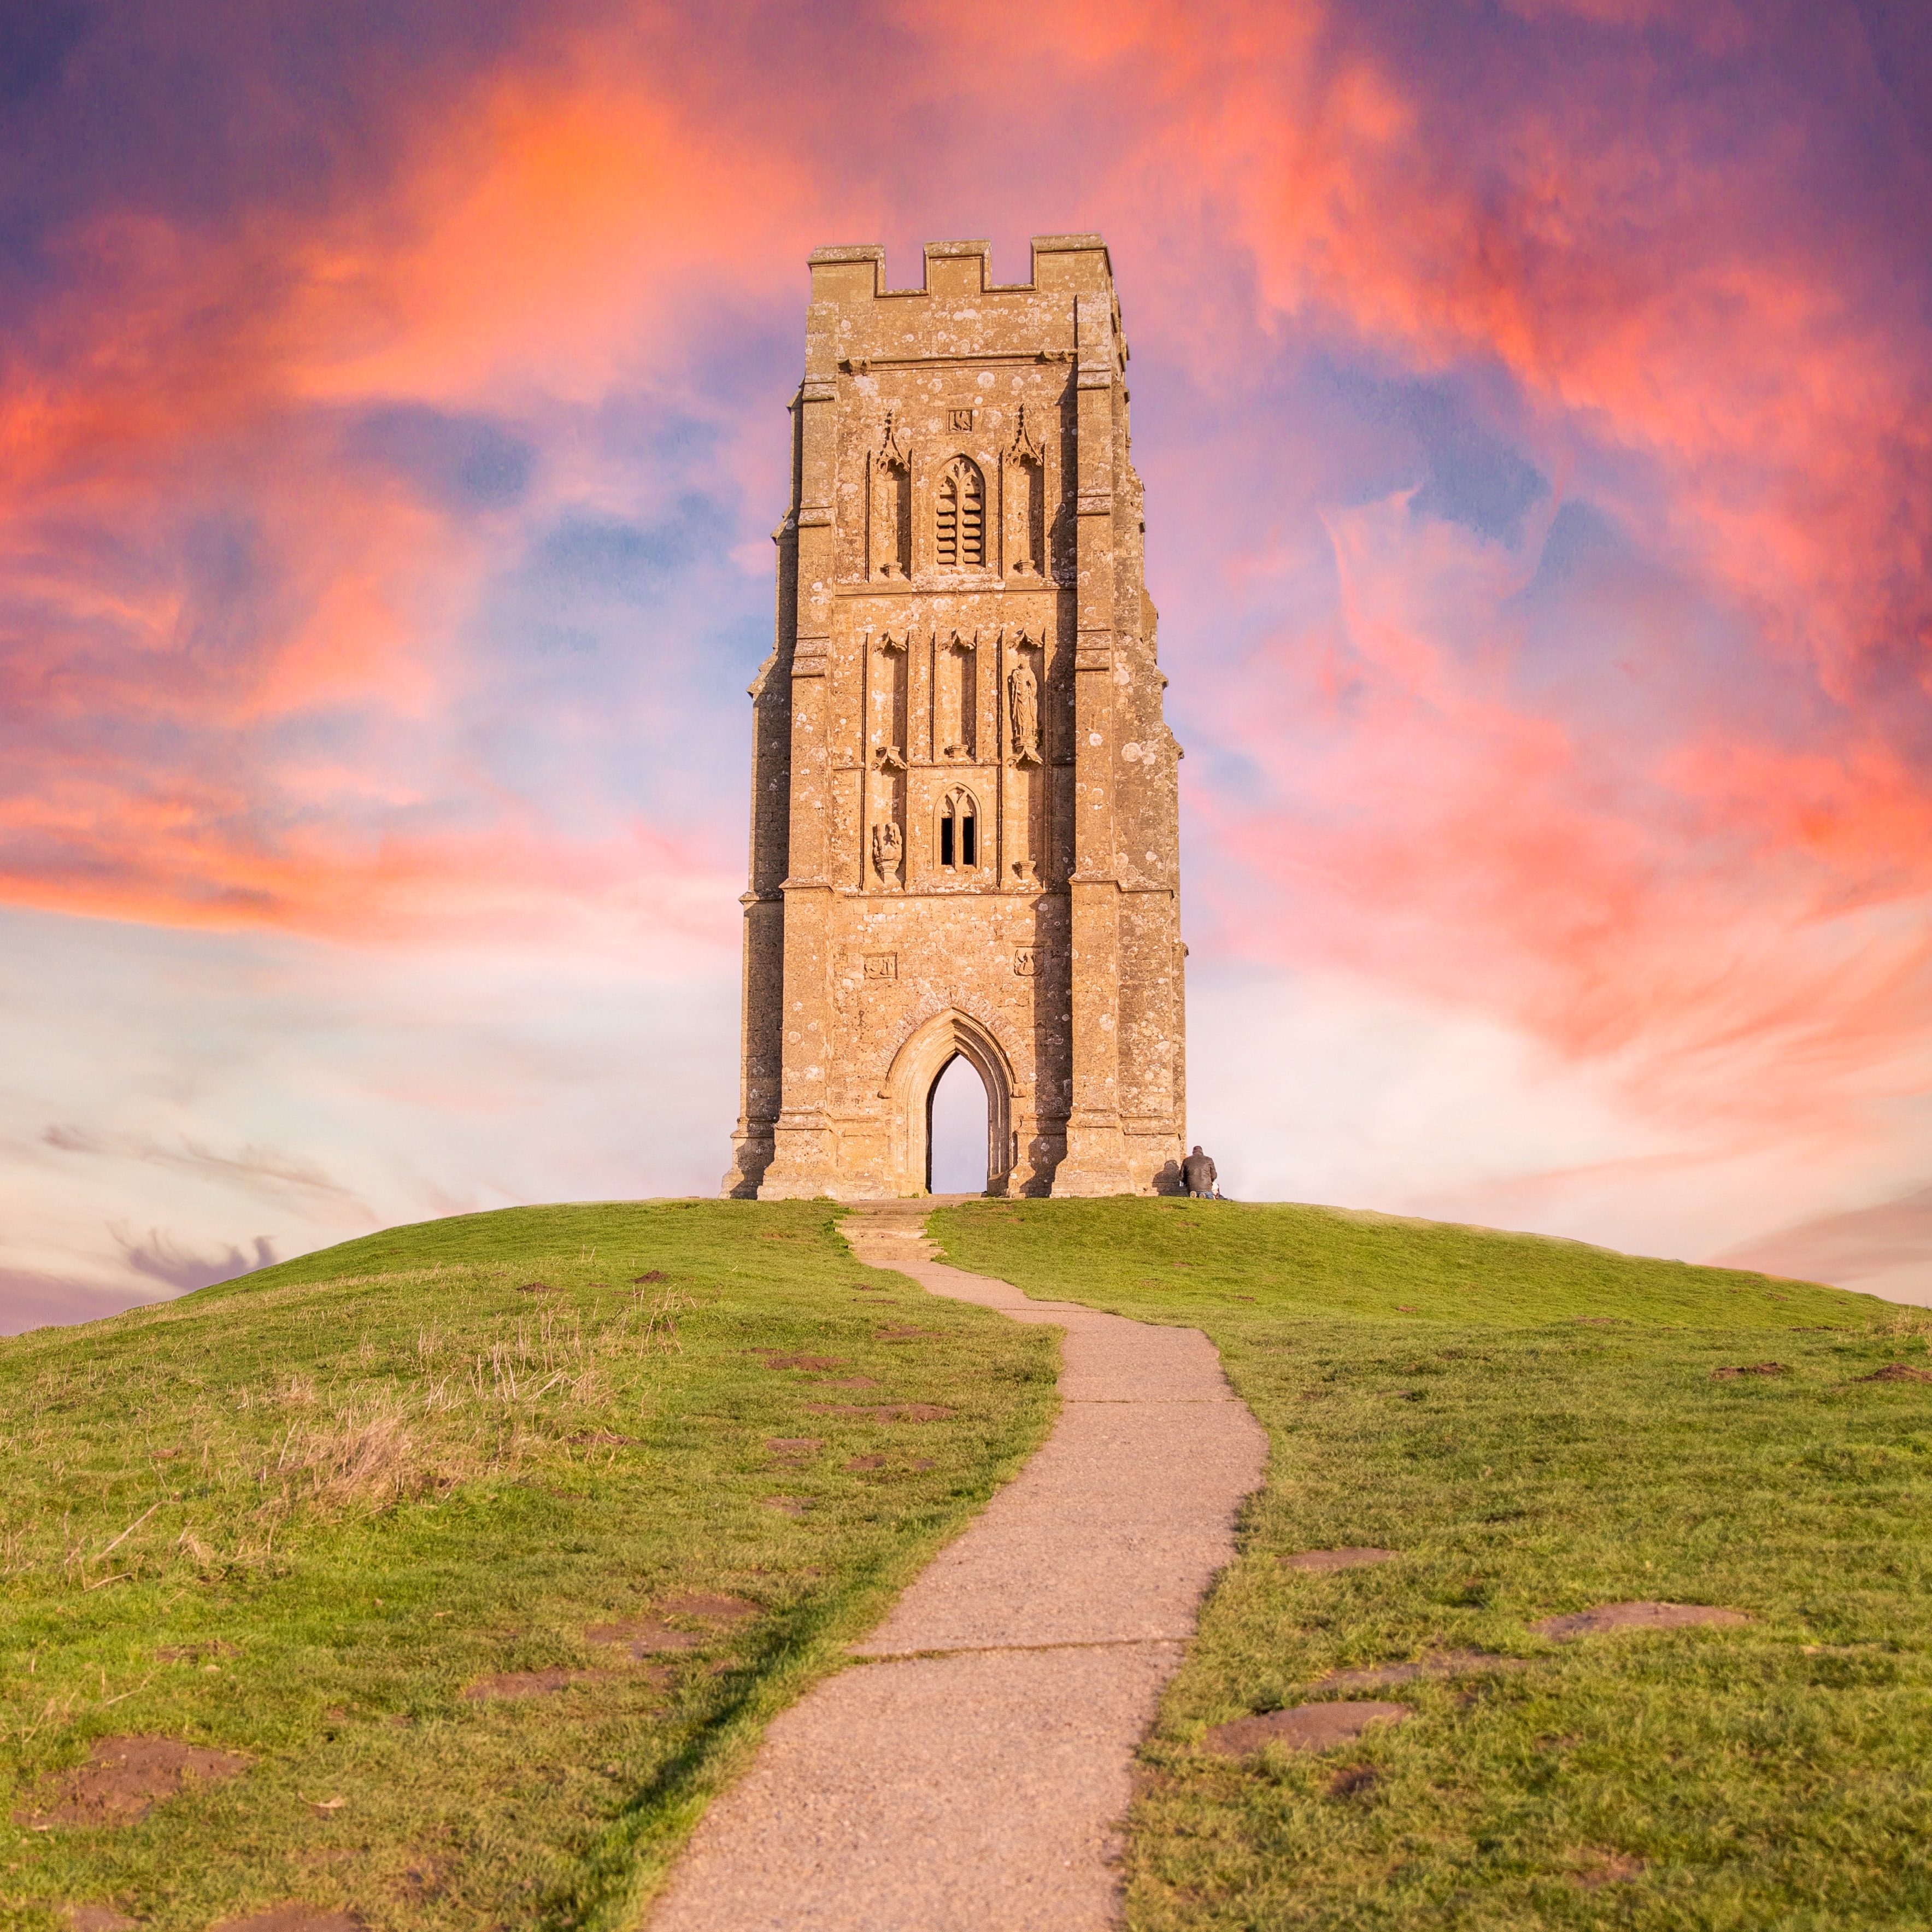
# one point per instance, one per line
(1198, 1171)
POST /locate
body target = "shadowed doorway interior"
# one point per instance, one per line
(957, 1159)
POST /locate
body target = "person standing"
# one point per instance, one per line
(1197, 1170)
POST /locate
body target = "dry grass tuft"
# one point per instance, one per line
(368, 1420)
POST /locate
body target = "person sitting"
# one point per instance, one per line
(1197, 1170)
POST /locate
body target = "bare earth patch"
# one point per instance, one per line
(821, 1362)
(1305, 1727)
(1606, 1868)
(866, 1462)
(1440, 1663)
(788, 1505)
(644, 1636)
(1601, 1617)
(795, 1447)
(709, 1604)
(293, 1916)
(1750, 1369)
(1336, 1559)
(193, 1653)
(901, 1411)
(533, 1683)
(1353, 1780)
(98, 1919)
(1898, 1372)
(123, 1779)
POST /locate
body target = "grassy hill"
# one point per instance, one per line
(1535, 1427)
(350, 1522)
(294, 1519)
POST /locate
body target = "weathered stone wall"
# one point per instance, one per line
(964, 832)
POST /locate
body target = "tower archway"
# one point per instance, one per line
(930, 1048)
(956, 1130)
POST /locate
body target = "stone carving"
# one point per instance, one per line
(882, 965)
(962, 419)
(1023, 449)
(1023, 707)
(888, 849)
(891, 533)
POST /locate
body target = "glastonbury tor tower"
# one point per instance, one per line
(964, 798)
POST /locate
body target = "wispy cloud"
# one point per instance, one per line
(252, 1164)
(1536, 458)
(161, 1258)
(1851, 1248)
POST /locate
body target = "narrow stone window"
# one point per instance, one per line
(959, 537)
(959, 833)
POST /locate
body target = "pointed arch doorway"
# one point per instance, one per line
(910, 1086)
(956, 1130)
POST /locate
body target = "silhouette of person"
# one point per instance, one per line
(1198, 1171)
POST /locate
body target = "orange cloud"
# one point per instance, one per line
(1641, 267)
(546, 234)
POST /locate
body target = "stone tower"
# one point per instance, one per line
(964, 836)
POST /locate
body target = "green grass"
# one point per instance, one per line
(1535, 1426)
(362, 1481)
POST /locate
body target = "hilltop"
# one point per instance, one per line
(1531, 1428)
(474, 1556)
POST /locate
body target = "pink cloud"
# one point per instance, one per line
(253, 676)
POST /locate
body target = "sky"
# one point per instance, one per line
(1532, 399)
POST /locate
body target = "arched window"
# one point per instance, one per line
(959, 832)
(959, 539)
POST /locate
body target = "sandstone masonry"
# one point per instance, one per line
(964, 799)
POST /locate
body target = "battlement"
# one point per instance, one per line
(1077, 264)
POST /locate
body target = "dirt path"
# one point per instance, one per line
(973, 1773)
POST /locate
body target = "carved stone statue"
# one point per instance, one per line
(1023, 703)
(887, 845)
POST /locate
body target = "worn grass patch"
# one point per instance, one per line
(1535, 1427)
(296, 1518)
